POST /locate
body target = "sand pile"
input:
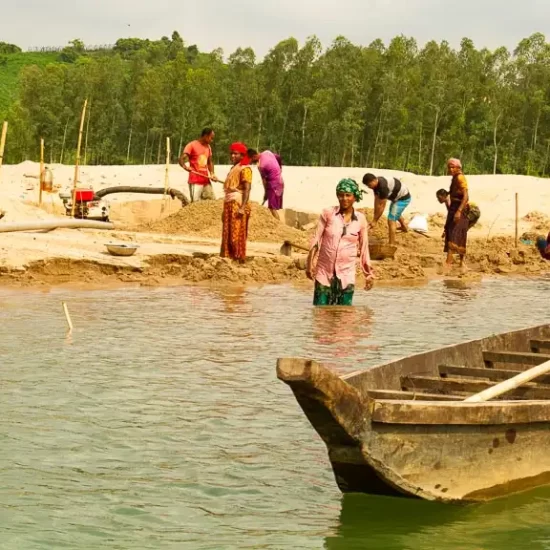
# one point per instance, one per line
(539, 222)
(437, 220)
(204, 219)
(161, 270)
(18, 211)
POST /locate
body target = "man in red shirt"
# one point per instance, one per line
(196, 158)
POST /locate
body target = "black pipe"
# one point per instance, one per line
(174, 193)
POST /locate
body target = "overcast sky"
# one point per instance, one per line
(262, 23)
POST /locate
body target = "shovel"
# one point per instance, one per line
(286, 249)
(203, 176)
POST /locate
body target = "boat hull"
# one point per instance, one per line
(431, 446)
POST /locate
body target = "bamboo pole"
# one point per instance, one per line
(41, 178)
(3, 142)
(167, 173)
(517, 219)
(510, 384)
(166, 176)
(87, 130)
(77, 160)
(68, 317)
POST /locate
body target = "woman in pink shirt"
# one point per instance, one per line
(270, 168)
(341, 231)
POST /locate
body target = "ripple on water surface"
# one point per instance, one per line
(160, 423)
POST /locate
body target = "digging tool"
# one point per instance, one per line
(421, 233)
(286, 249)
(203, 176)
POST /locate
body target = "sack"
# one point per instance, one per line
(473, 214)
(419, 223)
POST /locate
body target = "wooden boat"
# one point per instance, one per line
(405, 428)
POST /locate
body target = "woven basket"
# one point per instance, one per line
(381, 251)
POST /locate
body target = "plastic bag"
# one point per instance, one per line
(419, 223)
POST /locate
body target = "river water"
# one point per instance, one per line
(160, 422)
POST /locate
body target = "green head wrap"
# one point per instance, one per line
(349, 186)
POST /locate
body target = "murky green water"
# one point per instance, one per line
(161, 424)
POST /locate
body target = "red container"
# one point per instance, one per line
(84, 195)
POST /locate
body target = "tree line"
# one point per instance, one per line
(396, 106)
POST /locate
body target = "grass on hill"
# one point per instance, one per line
(9, 74)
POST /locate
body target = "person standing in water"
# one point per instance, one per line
(196, 158)
(270, 168)
(457, 224)
(332, 258)
(392, 190)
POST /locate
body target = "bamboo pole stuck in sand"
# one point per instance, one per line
(68, 316)
(167, 173)
(77, 160)
(517, 219)
(166, 177)
(3, 142)
(41, 177)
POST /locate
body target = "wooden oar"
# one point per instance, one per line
(510, 384)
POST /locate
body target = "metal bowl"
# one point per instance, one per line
(122, 249)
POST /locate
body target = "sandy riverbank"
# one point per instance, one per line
(180, 245)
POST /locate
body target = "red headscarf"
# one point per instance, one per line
(239, 147)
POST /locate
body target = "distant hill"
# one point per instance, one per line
(10, 68)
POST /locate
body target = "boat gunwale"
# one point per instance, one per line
(457, 413)
(422, 354)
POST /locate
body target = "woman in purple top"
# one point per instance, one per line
(270, 168)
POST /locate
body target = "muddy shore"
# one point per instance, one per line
(79, 257)
(180, 246)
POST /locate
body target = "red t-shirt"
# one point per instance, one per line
(199, 155)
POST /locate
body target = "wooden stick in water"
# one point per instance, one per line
(79, 146)
(517, 219)
(510, 384)
(3, 142)
(41, 177)
(67, 316)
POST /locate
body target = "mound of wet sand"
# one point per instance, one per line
(492, 257)
(437, 220)
(539, 222)
(160, 270)
(203, 219)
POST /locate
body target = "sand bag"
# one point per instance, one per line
(419, 223)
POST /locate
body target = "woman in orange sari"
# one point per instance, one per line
(236, 207)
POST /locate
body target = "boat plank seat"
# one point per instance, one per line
(411, 395)
(438, 413)
(466, 386)
(490, 374)
(514, 357)
(537, 345)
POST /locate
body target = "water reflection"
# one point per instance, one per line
(381, 522)
(163, 421)
(233, 299)
(341, 331)
(406, 524)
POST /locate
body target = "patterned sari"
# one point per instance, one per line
(456, 233)
(235, 225)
